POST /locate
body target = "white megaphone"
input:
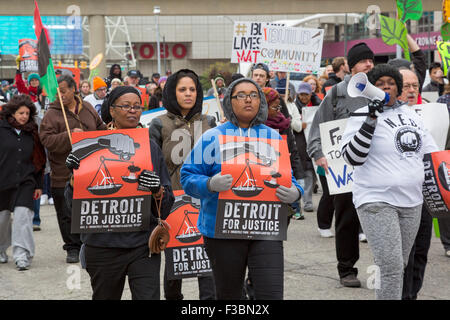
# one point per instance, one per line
(359, 86)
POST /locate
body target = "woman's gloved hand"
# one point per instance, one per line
(288, 195)
(149, 180)
(219, 182)
(72, 162)
(375, 108)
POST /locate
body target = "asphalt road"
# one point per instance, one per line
(310, 269)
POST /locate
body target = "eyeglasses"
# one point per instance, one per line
(277, 108)
(243, 96)
(128, 108)
(415, 86)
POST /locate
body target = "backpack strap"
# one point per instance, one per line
(334, 99)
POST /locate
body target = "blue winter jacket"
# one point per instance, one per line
(204, 160)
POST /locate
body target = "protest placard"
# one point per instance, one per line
(291, 49)
(246, 41)
(28, 55)
(308, 114)
(436, 187)
(250, 209)
(435, 119)
(444, 51)
(340, 177)
(210, 107)
(185, 254)
(148, 116)
(105, 189)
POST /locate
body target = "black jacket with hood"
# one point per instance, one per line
(176, 134)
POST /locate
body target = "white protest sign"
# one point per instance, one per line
(148, 116)
(291, 49)
(246, 42)
(308, 114)
(436, 120)
(340, 177)
(247, 37)
(210, 107)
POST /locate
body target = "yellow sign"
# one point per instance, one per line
(446, 10)
(444, 51)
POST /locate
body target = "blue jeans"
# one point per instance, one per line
(37, 209)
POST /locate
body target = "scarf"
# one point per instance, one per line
(280, 122)
(38, 157)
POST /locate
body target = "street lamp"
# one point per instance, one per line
(156, 12)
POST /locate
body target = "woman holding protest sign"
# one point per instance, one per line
(245, 107)
(385, 142)
(111, 257)
(183, 99)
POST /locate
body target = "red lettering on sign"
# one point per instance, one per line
(146, 54)
(179, 51)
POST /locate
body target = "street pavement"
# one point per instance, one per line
(310, 269)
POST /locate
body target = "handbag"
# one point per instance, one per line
(159, 238)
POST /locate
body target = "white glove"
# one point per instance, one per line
(220, 183)
(288, 195)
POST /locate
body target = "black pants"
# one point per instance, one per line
(108, 268)
(415, 270)
(347, 230)
(206, 288)
(64, 216)
(229, 259)
(325, 210)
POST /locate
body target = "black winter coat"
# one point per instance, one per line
(18, 178)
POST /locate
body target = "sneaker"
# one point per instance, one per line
(73, 256)
(362, 237)
(3, 257)
(299, 216)
(22, 265)
(36, 227)
(350, 281)
(50, 201)
(447, 253)
(325, 233)
(44, 199)
(308, 208)
(249, 290)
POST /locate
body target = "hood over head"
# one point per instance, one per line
(169, 96)
(262, 114)
(112, 75)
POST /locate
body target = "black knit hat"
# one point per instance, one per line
(384, 69)
(358, 52)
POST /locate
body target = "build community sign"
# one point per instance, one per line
(281, 48)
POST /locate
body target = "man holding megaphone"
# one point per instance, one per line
(338, 104)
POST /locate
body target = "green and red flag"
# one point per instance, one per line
(46, 70)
